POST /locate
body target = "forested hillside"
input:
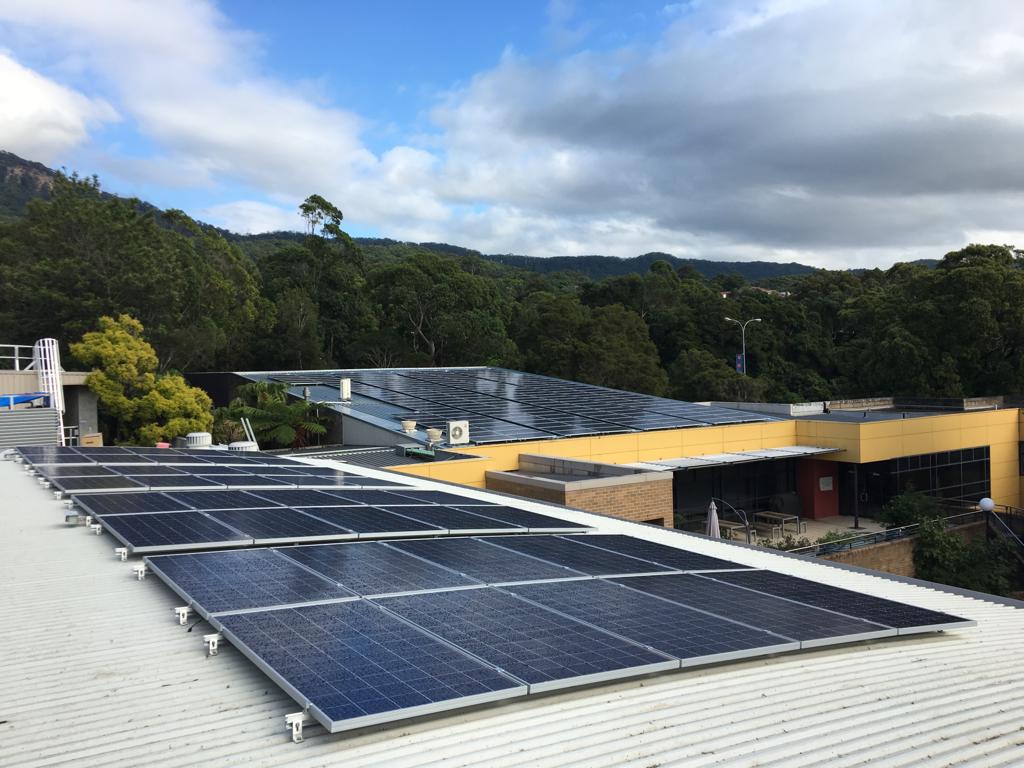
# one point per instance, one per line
(318, 300)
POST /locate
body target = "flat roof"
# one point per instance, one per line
(873, 415)
(97, 671)
(733, 457)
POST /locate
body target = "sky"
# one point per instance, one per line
(839, 133)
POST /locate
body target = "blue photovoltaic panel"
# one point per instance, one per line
(452, 519)
(95, 484)
(298, 497)
(241, 482)
(279, 524)
(163, 531)
(540, 647)
(589, 560)
(442, 497)
(482, 562)
(213, 471)
(368, 521)
(679, 559)
(811, 626)
(868, 607)
(151, 469)
(373, 498)
(213, 582)
(166, 483)
(374, 568)
(672, 629)
(357, 665)
(208, 500)
(524, 519)
(127, 503)
(73, 470)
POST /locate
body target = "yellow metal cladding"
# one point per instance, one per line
(860, 443)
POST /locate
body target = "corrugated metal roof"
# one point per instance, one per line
(96, 671)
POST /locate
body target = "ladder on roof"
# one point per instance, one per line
(46, 361)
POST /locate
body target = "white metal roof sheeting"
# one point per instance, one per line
(96, 671)
(733, 457)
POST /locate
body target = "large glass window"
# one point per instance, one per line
(748, 486)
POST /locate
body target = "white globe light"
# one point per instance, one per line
(986, 504)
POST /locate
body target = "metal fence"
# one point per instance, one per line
(890, 534)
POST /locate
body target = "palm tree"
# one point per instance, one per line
(274, 419)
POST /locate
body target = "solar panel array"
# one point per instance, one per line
(526, 617)
(179, 507)
(503, 405)
(370, 631)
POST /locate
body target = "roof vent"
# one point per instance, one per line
(345, 388)
(198, 440)
(243, 445)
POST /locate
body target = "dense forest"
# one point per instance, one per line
(324, 300)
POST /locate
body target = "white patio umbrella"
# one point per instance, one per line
(713, 530)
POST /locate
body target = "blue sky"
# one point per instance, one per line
(834, 132)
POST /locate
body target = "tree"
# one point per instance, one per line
(139, 404)
(275, 419)
(944, 557)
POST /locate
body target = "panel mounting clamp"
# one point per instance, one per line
(140, 571)
(295, 721)
(183, 613)
(212, 643)
(121, 553)
(96, 528)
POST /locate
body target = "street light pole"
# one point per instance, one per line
(743, 337)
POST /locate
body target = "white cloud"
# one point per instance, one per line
(41, 119)
(251, 217)
(820, 130)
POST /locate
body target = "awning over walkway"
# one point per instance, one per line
(732, 457)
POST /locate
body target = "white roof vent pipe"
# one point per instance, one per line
(345, 388)
(199, 439)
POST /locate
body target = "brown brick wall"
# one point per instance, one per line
(641, 502)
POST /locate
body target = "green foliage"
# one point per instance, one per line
(944, 557)
(908, 508)
(277, 420)
(141, 405)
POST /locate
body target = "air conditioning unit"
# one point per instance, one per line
(458, 432)
(345, 387)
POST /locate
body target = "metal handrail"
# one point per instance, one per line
(1009, 532)
(18, 357)
(889, 534)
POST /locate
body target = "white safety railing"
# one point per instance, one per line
(46, 360)
(17, 357)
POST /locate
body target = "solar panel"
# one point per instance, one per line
(214, 582)
(679, 559)
(479, 560)
(535, 522)
(370, 521)
(280, 525)
(906, 618)
(545, 649)
(298, 498)
(686, 634)
(95, 484)
(73, 470)
(356, 665)
(127, 503)
(590, 560)
(150, 470)
(453, 519)
(442, 497)
(255, 481)
(208, 500)
(168, 531)
(374, 568)
(373, 498)
(171, 482)
(811, 626)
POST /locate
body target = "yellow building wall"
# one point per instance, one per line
(859, 442)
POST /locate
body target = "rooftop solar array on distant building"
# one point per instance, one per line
(503, 405)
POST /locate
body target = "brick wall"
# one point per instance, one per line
(642, 502)
(648, 501)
